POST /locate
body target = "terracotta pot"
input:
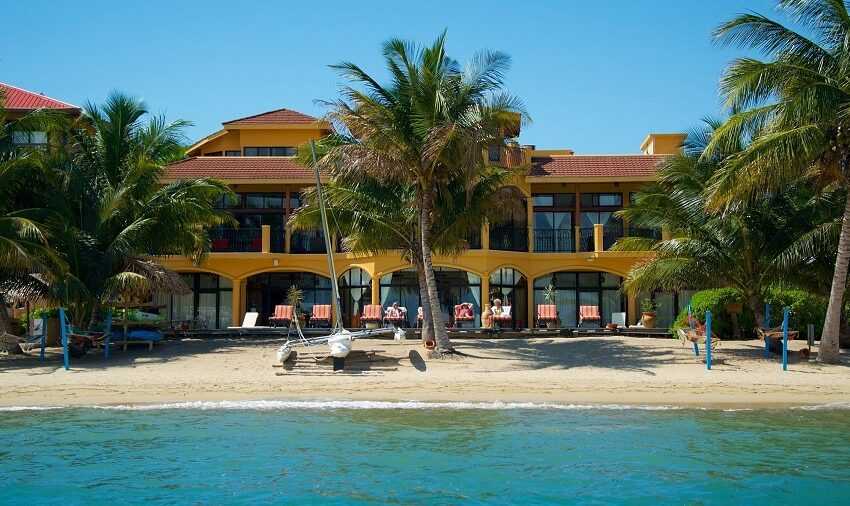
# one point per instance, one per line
(650, 320)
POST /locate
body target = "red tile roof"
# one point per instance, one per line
(583, 166)
(17, 99)
(239, 167)
(278, 117)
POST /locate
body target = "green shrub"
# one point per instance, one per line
(716, 300)
(38, 313)
(805, 308)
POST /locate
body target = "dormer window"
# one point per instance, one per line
(271, 151)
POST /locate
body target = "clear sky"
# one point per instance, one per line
(595, 76)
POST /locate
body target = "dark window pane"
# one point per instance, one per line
(264, 151)
(213, 153)
(230, 152)
(250, 151)
(291, 152)
(543, 200)
(565, 199)
(610, 199)
(278, 151)
(274, 201)
(254, 200)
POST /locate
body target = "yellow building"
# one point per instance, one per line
(562, 237)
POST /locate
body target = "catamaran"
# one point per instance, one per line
(340, 340)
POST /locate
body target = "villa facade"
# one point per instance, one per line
(562, 235)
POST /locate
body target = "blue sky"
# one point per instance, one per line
(595, 76)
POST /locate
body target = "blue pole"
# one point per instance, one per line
(107, 335)
(708, 340)
(693, 329)
(767, 328)
(64, 329)
(43, 337)
(785, 339)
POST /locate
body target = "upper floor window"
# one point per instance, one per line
(264, 200)
(233, 152)
(29, 138)
(554, 200)
(229, 202)
(271, 151)
(601, 199)
(213, 153)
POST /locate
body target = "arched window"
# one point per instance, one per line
(453, 286)
(265, 291)
(355, 290)
(511, 287)
(574, 289)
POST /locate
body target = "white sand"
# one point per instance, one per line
(599, 370)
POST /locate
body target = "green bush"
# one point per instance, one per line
(38, 313)
(716, 300)
(805, 308)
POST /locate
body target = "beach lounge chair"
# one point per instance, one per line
(546, 313)
(249, 321)
(589, 314)
(420, 317)
(772, 338)
(397, 321)
(372, 313)
(321, 315)
(282, 316)
(503, 318)
(460, 319)
(696, 336)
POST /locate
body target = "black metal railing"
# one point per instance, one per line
(473, 238)
(233, 240)
(278, 240)
(307, 242)
(585, 239)
(649, 233)
(610, 235)
(554, 241)
(509, 238)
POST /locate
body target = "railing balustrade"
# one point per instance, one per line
(307, 242)
(649, 233)
(236, 240)
(509, 238)
(610, 235)
(554, 241)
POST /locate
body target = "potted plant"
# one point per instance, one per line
(649, 312)
(294, 297)
(550, 295)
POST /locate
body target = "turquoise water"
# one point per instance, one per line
(381, 453)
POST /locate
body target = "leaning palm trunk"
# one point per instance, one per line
(441, 336)
(8, 341)
(427, 329)
(829, 340)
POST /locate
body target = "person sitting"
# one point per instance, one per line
(394, 312)
(497, 308)
(465, 310)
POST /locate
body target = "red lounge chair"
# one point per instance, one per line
(463, 319)
(372, 313)
(546, 313)
(589, 314)
(420, 317)
(220, 244)
(282, 316)
(505, 317)
(397, 320)
(321, 315)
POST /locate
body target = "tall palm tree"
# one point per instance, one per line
(799, 100)
(375, 216)
(751, 246)
(114, 215)
(433, 120)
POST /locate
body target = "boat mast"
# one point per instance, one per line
(326, 230)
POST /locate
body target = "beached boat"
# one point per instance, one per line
(339, 340)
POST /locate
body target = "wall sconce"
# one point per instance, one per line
(275, 262)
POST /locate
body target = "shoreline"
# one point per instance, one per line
(608, 371)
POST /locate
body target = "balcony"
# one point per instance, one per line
(473, 238)
(233, 240)
(585, 239)
(554, 241)
(509, 238)
(611, 233)
(307, 242)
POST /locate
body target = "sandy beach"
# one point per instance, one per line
(597, 370)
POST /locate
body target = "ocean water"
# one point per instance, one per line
(416, 453)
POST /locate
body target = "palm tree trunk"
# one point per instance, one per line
(95, 316)
(10, 344)
(427, 329)
(828, 350)
(440, 333)
(756, 303)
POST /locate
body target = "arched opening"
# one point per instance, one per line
(574, 289)
(265, 291)
(511, 232)
(208, 306)
(511, 287)
(453, 287)
(355, 291)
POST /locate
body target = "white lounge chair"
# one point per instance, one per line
(249, 321)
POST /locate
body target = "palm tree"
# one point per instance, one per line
(114, 215)
(432, 121)
(799, 99)
(751, 246)
(375, 216)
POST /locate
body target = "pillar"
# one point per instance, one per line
(376, 291)
(532, 309)
(529, 213)
(287, 240)
(577, 237)
(485, 235)
(631, 308)
(485, 290)
(598, 236)
(238, 301)
(267, 238)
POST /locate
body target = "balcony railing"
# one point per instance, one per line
(585, 239)
(554, 241)
(610, 235)
(233, 240)
(509, 238)
(307, 242)
(473, 238)
(649, 233)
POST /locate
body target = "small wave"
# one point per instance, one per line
(321, 405)
(818, 407)
(29, 408)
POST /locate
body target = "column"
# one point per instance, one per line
(532, 309)
(598, 236)
(237, 301)
(376, 291)
(485, 235)
(631, 308)
(267, 238)
(485, 290)
(529, 211)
